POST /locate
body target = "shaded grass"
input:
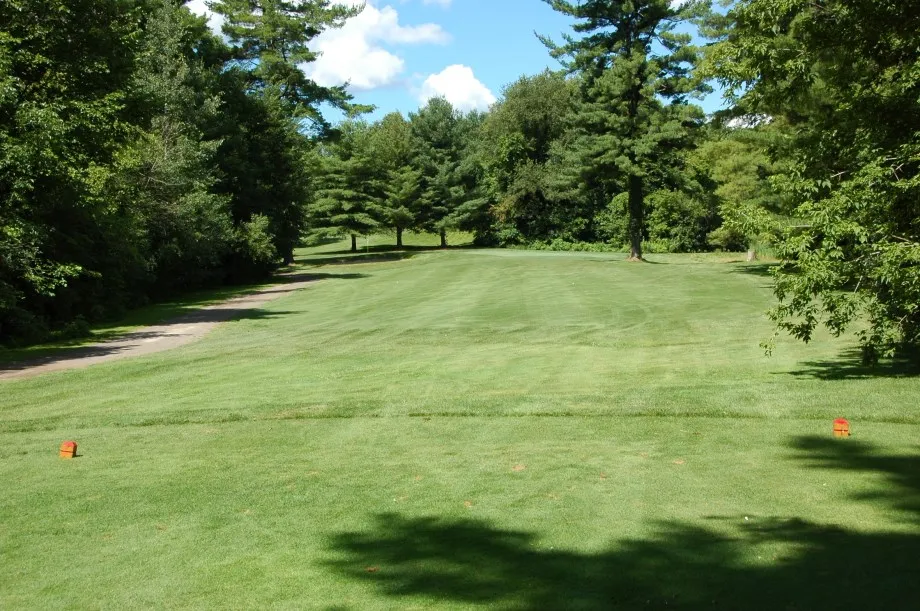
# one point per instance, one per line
(470, 428)
(132, 320)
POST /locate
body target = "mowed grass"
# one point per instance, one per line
(465, 429)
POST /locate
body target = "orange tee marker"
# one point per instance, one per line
(68, 449)
(841, 428)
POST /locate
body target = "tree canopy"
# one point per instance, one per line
(635, 77)
(844, 75)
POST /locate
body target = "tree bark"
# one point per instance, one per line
(636, 217)
(443, 238)
(399, 231)
(751, 254)
(354, 243)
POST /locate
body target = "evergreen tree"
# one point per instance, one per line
(351, 190)
(403, 191)
(270, 45)
(438, 150)
(630, 61)
(393, 151)
(470, 208)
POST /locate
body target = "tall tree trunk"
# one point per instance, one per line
(443, 238)
(289, 256)
(354, 243)
(636, 217)
(399, 231)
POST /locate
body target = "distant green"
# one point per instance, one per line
(471, 428)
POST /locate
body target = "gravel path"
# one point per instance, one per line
(157, 338)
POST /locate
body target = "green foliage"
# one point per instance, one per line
(163, 179)
(677, 222)
(630, 61)
(271, 41)
(140, 155)
(613, 221)
(350, 193)
(255, 241)
(516, 149)
(737, 161)
(845, 77)
(64, 71)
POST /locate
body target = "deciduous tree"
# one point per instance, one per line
(846, 77)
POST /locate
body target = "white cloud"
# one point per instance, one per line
(199, 7)
(459, 86)
(354, 53)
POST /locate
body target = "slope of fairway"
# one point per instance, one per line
(470, 427)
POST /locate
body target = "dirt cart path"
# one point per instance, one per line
(157, 338)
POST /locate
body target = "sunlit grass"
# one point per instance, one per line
(369, 441)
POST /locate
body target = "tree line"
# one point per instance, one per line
(141, 155)
(609, 153)
(525, 174)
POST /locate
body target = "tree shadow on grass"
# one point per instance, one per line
(375, 254)
(289, 278)
(350, 258)
(389, 249)
(850, 366)
(764, 270)
(717, 565)
(902, 472)
(98, 343)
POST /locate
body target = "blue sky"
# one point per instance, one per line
(398, 53)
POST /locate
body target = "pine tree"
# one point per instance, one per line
(630, 62)
(350, 191)
(438, 149)
(470, 208)
(393, 151)
(270, 43)
(403, 191)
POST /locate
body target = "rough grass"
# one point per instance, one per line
(471, 428)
